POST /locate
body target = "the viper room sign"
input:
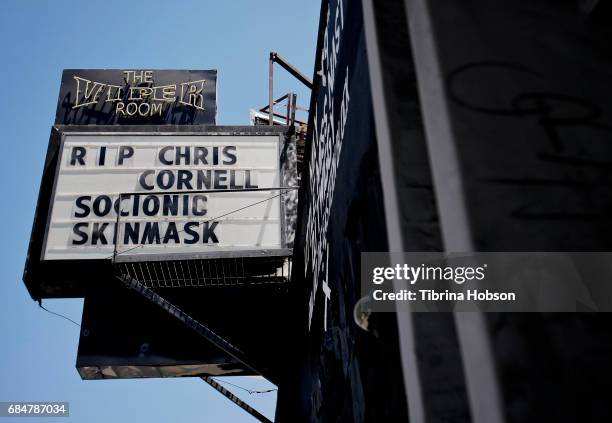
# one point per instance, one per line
(150, 194)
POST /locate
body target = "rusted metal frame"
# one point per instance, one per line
(275, 57)
(271, 91)
(278, 100)
(293, 109)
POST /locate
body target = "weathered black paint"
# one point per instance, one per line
(123, 331)
(529, 96)
(439, 366)
(343, 373)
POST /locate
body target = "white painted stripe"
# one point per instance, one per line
(407, 345)
(474, 342)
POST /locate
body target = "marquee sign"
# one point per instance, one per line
(138, 171)
(156, 193)
(136, 97)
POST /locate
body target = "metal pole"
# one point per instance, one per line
(271, 89)
(289, 99)
(293, 108)
(233, 398)
(292, 70)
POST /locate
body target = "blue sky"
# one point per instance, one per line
(37, 40)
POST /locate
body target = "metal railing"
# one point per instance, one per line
(173, 270)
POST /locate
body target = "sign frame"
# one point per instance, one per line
(245, 253)
(74, 278)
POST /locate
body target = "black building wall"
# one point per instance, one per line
(528, 95)
(515, 105)
(471, 126)
(341, 372)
